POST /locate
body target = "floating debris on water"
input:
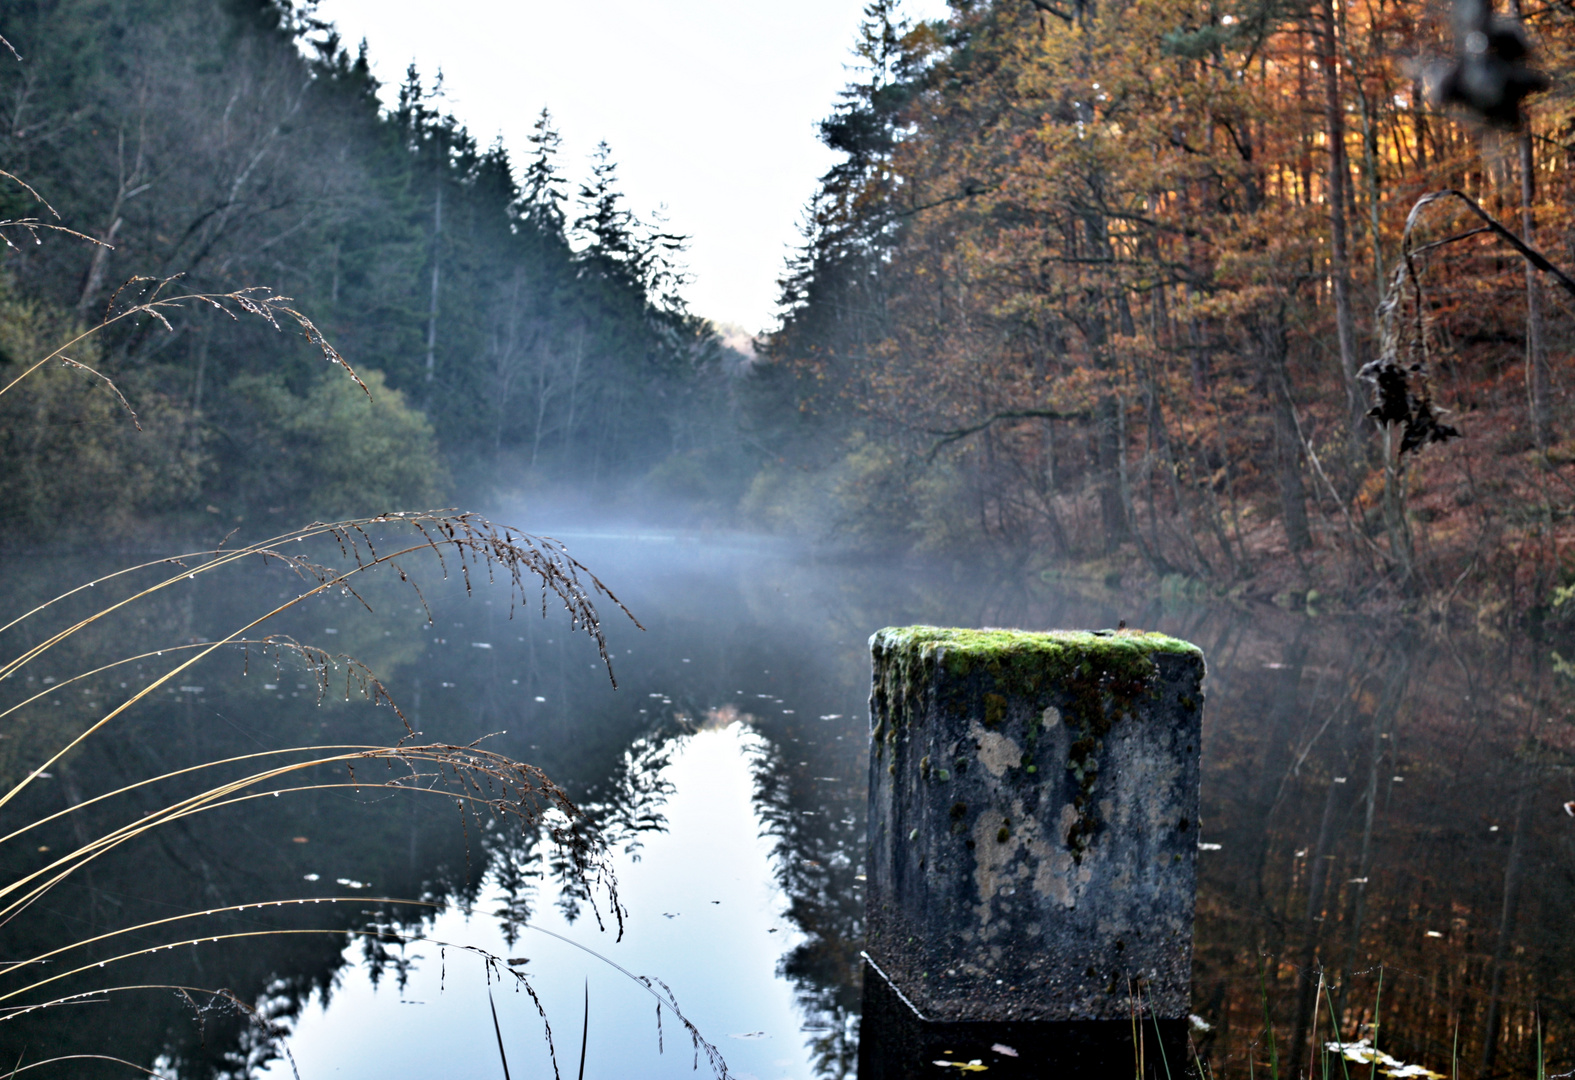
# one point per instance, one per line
(1364, 1053)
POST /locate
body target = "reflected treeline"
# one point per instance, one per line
(1387, 801)
(343, 835)
(1388, 804)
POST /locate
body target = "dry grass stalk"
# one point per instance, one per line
(481, 783)
(32, 225)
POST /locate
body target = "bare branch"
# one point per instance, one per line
(957, 434)
(1051, 9)
(1531, 254)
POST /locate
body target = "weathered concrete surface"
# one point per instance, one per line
(1033, 822)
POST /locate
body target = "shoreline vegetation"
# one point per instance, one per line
(1088, 294)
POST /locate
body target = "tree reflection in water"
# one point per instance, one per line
(1378, 801)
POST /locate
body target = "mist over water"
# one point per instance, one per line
(1372, 794)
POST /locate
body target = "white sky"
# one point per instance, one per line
(709, 106)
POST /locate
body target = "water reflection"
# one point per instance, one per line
(1380, 803)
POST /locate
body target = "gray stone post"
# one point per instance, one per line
(1033, 822)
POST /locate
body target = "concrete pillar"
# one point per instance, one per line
(1033, 823)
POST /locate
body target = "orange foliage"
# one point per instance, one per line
(1092, 261)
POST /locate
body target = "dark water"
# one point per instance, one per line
(1383, 805)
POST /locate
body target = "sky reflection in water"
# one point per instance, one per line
(1377, 800)
(705, 916)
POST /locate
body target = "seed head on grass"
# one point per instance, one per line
(481, 783)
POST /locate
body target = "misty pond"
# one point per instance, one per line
(1381, 802)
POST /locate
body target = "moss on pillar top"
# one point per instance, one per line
(1098, 674)
(1053, 651)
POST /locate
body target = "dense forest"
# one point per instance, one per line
(515, 330)
(1116, 283)
(1101, 290)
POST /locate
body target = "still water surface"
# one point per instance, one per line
(1381, 802)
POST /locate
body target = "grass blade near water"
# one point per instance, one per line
(498, 1031)
(1378, 1003)
(585, 1031)
(1334, 1024)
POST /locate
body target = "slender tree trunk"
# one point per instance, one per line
(1051, 487)
(1383, 723)
(1317, 876)
(1537, 376)
(1513, 873)
(432, 308)
(1159, 436)
(1339, 264)
(574, 397)
(195, 434)
(1287, 443)
(130, 186)
(98, 268)
(1112, 511)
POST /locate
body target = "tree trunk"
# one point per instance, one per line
(1287, 443)
(1317, 875)
(1395, 685)
(1108, 442)
(1339, 265)
(1506, 923)
(432, 308)
(1537, 376)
